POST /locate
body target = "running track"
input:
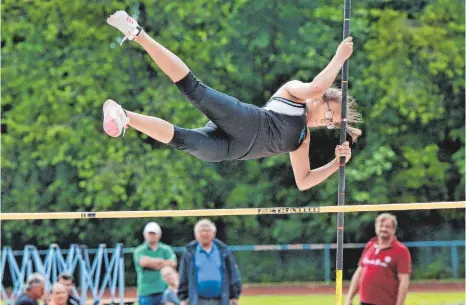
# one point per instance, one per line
(305, 289)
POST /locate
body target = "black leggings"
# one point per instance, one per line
(231, 131)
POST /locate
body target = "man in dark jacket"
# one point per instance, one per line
(209, 274)
(33, 290)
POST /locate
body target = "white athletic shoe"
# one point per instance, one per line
(126, 24)
(115, 119)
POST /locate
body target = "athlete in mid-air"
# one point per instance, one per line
(237, 130)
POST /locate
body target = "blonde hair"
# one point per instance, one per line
(352, 116)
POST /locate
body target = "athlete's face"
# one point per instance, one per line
(322, 113)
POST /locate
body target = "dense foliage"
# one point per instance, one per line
(61, 61)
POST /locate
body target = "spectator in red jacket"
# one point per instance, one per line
(384, 269)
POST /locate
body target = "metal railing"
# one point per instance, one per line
(105, 272)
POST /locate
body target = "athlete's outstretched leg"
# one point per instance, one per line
(208, 143)
(216, 105)
(116, 120)
(168, 62)
(237, 119)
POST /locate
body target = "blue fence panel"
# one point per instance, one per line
(90, 277)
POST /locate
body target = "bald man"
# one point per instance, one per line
(58, 295)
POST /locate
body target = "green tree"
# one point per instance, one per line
(61, 61)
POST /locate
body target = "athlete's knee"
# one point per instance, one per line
(191, 87)
(178, 141)
(194, 143)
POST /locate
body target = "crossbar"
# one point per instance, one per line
(237, 212)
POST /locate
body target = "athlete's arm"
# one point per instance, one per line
(325, 78)
(306, 178)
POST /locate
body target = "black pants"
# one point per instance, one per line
(232, 128)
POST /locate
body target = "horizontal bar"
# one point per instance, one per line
(236, 212)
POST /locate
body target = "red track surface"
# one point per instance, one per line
(330, 289)
(302, 289)
(253, 290)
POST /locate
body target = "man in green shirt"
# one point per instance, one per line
(149, 258)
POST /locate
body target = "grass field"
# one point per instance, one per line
(414, 298)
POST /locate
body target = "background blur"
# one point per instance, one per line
(61, 61)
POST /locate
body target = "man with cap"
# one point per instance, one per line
(149, 258)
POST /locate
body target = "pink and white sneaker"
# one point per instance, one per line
(126, 24)
(115, 119)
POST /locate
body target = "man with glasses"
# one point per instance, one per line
(209, 274)
(384, 269)
(238, 130)
(33, 290)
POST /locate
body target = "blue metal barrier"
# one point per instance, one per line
(105, 272)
